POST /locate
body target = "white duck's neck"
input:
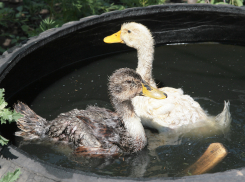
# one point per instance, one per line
(132, 124)
(145, 60)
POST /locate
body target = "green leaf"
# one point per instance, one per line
(14, 41)
(5, 113)
(1, 5)
(201, 1)
(238, 3)
(221, 3)
(3, 104)
(12, 36)
(16, 115)
(25, 28)
(2, 50)
(20, 8)
(11, 177)
(3, 141)
(18, 15)
(3, 121)
(2, 92)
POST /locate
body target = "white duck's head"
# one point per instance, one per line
(137, 36)
(133, 35)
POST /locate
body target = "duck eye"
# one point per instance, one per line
(128, 81)
(129, 31)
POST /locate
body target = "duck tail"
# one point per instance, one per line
(31, 125)
(224, 118)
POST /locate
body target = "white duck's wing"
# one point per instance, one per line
(174, 111)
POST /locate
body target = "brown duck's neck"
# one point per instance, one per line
(145, 61)
(133, 125)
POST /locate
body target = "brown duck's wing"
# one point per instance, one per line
(105, 125)
(114, 151)
(67, 127)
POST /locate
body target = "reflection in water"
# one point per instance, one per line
(241, 97)
(215, 153)
(209, 78)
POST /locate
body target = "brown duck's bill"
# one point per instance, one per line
(114, 38)
(149, 91)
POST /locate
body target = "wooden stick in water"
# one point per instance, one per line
(211, 157)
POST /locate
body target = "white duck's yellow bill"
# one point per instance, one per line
(114, 38)
(149, 91)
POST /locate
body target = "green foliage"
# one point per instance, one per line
(69, 10)
(11, 177)
(16, 38)
(236, 2)
(231, 2)
(141, 3)
(3, 141)
(5, 15)
(31, 22)
(6, 115)
(47, 24)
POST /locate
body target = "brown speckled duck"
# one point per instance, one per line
(96, 132)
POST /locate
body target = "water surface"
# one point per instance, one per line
(211, 73)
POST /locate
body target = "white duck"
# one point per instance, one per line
(178, 111)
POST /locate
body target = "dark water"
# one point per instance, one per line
(211, 73)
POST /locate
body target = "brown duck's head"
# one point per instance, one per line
(125, 84)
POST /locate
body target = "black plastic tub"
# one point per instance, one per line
(77, 42)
